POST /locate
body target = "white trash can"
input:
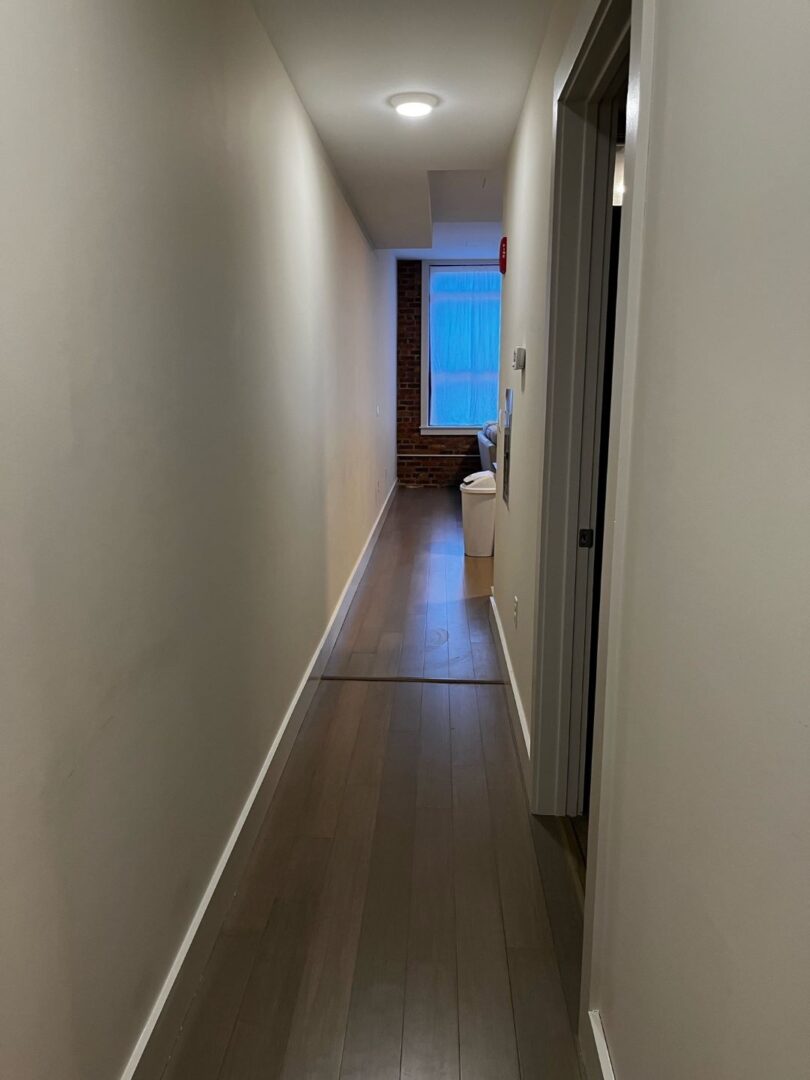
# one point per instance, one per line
(478, 513)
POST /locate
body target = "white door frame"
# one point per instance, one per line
(593, 1028)
(581, 212)
(593, 1021)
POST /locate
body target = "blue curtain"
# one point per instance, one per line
(465, 323)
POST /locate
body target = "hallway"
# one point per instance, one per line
(278, 276)
(391, 922)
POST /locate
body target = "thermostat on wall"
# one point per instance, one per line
(519, 359)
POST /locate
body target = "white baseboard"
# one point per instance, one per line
(298, 707)
(595, 1052)
(507, 662)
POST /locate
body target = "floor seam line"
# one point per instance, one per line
(412, 679)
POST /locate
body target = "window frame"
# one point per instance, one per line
(425, 425)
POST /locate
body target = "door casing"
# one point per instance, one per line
(581, 223)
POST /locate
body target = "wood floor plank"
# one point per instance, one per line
(386, 660)
(368, 754)
(460, 658)
(400, 587)
(412, 655)
(485, 659)
(258, 1045)
(203, 1040)
(315, 1045)
(437, 649)
(407, 707)
(545, 1044)
(251, 906)
(430, 1026)
(523, 905)
(373, 622)
(478, 618)
(360, 665)
(320, 815)
(434, 788)
(344, 645)
(373, 1043)
(464, 726)
(259, 1041)
(477, 577)
(417, 599)
(487, 1040)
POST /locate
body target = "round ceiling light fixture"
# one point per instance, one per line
(414, 105)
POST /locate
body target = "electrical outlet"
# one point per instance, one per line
(515, 611)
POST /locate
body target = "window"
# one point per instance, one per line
(461, 322)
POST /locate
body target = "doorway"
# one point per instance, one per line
(593, 477)
(584, 279)
(584, 284)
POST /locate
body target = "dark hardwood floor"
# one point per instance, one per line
(422, 610)
(391, 922)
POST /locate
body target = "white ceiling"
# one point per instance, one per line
(347, 57)
(466, 195)
(458, 240)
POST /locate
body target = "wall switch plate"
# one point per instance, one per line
(519, 359)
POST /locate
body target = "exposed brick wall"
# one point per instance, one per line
(414, 467)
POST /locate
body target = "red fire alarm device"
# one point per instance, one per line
(502, 255)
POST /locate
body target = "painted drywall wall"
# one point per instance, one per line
(195, 340)
(524, 322)
(701, 962)
(700, 966)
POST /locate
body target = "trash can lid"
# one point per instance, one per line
(482, 483)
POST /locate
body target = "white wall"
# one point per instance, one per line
(524, 322)
(195, 337)
(702, 951)
(701, 965)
